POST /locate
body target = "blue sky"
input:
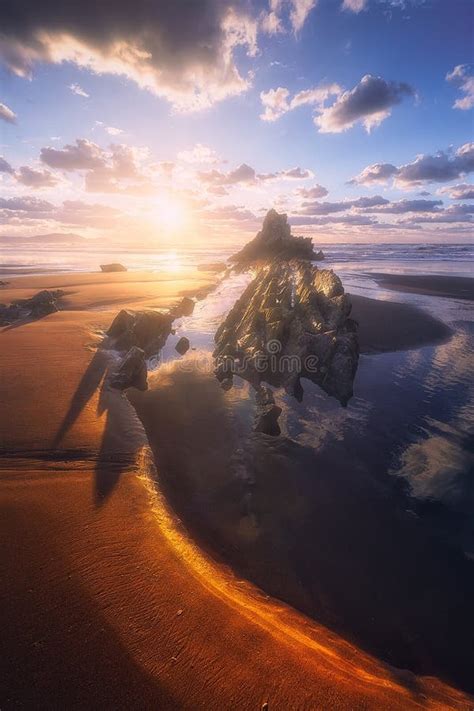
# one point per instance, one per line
(391, 81)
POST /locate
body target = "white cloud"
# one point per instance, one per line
(78, 90)
(464, 79)
(295, 11)
(6, 114)
(113, 131)
(199, 153)
(354, 5)
(276, 102)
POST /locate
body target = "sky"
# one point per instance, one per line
(183, 122)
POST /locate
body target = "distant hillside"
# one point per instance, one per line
(53, 238)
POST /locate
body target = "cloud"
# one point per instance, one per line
(246, 174)
(369, 102)
(299, 12)
(340, 219)
(228, 213)
(181, 51)
(326, 208)
(27, 210)
(199, 154)
(462, 191)
(401, 206)
(243, 174)
(120, 170)
(454, 213)
(373, 174)
(117, 169)
(113, 131)
(26, 204)
(317, 191)
(464, 79)
(82, 155)
(5, 166)
(276, 101)
(354, 5)
(6, 114)
(439, 168)
(35, 178)
(295, 11)
(78, 90)
(288, 174)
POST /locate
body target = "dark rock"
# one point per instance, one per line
(184, 308)
(212, 267)
(146, 329)
(39, 305)
(182, 345)
(291, 322)
(132, 372)
(267, 413)
(3, 283)
(275, 241)
(227, 383)
(115, 267)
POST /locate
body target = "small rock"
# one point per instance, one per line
(182, 345)
(115, 267)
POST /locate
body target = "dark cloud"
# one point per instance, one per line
(35, 178)
(370, 102)
(327, 208)
(26, 204)
(183, 51)
(317, 191)
(439, 168)
(372, 174)
(462, 191)
(83, 155)
(243, 174)
(5, 166)
(400, 206)
(341, 219)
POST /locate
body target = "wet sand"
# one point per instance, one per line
(454, 287)
(105, 599)
(391, 326)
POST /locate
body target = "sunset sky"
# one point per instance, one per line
(183, 122)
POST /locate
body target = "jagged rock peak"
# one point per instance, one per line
(275, 241)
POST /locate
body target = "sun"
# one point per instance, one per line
(171, 214)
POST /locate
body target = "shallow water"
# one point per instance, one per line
(361, 517)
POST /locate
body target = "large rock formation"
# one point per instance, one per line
(291, 322)
(275, 241)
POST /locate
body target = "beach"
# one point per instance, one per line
(137, 571)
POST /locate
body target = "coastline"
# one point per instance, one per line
(113, 588)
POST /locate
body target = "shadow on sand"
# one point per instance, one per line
(118, 448)
(313, 528)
